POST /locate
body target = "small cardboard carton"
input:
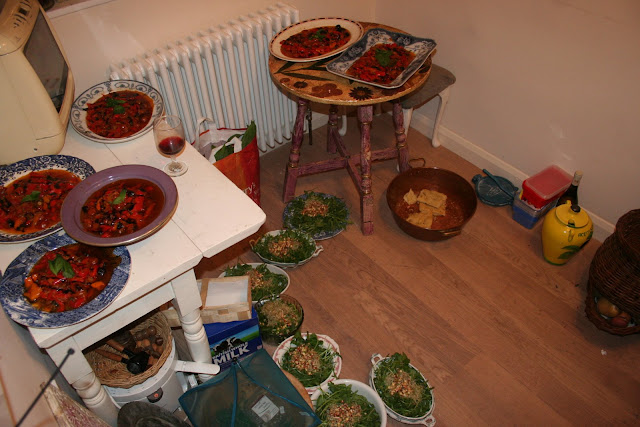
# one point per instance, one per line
(231, 340)
(224, 299)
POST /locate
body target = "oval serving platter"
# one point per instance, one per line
(354, 28)
(292, 214)
(10, 173)
(420, 46)
(72, 206)
(21, 311)
(79, 107)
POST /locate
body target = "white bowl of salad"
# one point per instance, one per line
(265, 279)
(349, 402)
(406, 393)
(312, 359)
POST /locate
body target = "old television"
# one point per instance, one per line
(36, 84)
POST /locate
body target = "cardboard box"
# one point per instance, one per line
(231, 340)
(224, 299)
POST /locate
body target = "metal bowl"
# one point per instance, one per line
(460, 195)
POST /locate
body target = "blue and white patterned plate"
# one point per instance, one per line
(420, 46)
(21, 311)
(10, 173)
(79, 107)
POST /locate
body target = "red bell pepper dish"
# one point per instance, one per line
(122, 207)
(119, 114)
(32, 203)
(315, 41)
(69, 277)
(382, 63)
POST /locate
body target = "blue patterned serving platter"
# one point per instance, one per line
(10, 173)
(420, 46)
(79, 107)
(21, 311)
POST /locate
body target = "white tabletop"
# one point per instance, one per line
(212, 215)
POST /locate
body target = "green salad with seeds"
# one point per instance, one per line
(264, 282)
(309, 360)
(342, 406)
(289, 246)
(401, 387)
(317, 214)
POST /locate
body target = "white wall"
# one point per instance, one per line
(538, 83)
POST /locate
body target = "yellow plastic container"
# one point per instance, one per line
(566, 229)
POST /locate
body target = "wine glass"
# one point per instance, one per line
(168, 133)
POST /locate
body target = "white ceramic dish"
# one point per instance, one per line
(315, 253)
(79, 112)
(272, 268)
(420, 46)
(362, 389)
(286, 345)
(427, 419)
(354, 28)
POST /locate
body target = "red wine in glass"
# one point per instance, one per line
(171, 145)
(168, 133)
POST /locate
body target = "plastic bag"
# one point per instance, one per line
(234, 152)
(253, 391)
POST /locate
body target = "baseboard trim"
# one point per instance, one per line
(485, 160)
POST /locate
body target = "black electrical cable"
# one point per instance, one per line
(69, 353)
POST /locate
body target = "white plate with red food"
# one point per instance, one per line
(119, 205)
(79, 279)
(116, 111)
(383, 58)
(315, 39)
(32, 192)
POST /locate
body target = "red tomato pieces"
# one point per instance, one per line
(315, 41)
(69, 277)
(32, 203)
(122, 207)
(382, 63)
(119, 114)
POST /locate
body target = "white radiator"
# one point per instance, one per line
(221, 73)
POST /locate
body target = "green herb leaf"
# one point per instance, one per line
(60, 263)
(321, 34)
(114, 102)
(223, 152)
(120, 198)
(383, 57)
(118, 109)
(249, 134)
(31, 197)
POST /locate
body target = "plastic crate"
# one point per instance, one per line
(546, 186)
(526, 215)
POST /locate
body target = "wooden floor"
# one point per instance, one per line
(499, 333)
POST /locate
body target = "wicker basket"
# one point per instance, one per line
(115, 374)
(615, 274)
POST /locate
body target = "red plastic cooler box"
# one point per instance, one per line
(544, 187)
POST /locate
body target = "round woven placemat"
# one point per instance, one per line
(115, 374)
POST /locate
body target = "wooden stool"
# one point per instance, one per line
(438, 84)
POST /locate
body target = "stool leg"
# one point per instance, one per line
(444, 98)
(401, 138)
(333, 123)
(365, 116)
(291, 174)
(407, 113)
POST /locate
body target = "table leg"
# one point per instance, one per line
(80, 375)
(401, 137)
(187, 303)
(365, 116)
(333, 123)
(291, 175)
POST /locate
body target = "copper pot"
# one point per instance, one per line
(461, 200)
